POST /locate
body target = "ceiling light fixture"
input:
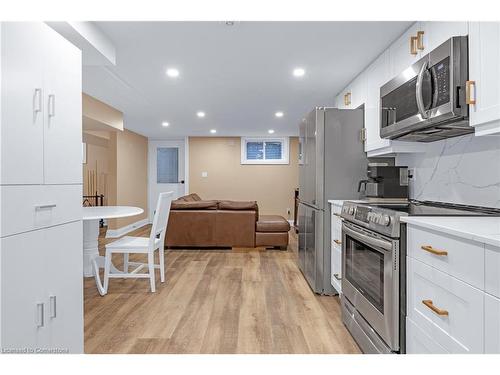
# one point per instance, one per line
(299, 72)
(213, 131)
(172, 72)
(270, 131)
(165, 124)
(279, 114)
(229, 23)
(200, 114)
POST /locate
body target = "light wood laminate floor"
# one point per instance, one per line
(215, 301)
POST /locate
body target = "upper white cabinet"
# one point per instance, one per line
(41, 122)
(406, 49)
(484, 76)
(436, 33)
(22, 103)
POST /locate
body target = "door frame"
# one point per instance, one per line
(152, 174)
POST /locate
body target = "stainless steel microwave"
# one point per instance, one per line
(426, 102)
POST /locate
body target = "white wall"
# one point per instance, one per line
(464, 170)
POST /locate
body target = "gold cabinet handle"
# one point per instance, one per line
(469, 86)
(336, 275)
(430, 305)
(338, 242)
(420, 40)
(413, 45)
(347, 98)
(430, 249)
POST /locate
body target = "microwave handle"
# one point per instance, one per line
(418, 91)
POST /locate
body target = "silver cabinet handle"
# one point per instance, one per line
(40, 314)
(52, 105)
(53, 306)
(336, 275)
(45, 206)
(37, 101)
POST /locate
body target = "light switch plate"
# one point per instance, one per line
(204, 174)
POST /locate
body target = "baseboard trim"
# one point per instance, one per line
(114, 233)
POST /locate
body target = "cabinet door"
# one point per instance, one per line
(484, 69)
(376, 75)
(63, 119)
(358, 91)
(21, 129)
(400, 51)
(437, 32)
(491, 324)
(64, 271)
(24, 323)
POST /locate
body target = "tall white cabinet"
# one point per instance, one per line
(41, 291)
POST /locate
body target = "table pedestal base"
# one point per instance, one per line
(92, 261)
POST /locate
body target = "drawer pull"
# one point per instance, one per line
(338, 242)
(430, 249)
(336, 214)
(430, 305)
(336, 275)
(45, 206)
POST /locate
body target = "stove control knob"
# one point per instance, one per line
(351, 210)
(385, 220)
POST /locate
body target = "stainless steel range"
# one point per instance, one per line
(374, 268)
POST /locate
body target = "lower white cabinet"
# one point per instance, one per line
(491, 324)
(336, 245)
(41, 290)
(450, 311)
(418, 342)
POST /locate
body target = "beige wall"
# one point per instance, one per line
(272, 186)
(131, 174)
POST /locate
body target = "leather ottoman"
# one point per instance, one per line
(272, 231)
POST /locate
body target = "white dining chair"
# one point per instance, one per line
(142, 245)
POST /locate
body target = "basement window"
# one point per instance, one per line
(264, 150)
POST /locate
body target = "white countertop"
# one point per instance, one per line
(480, 229)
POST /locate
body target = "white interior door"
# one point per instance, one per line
(167, 170)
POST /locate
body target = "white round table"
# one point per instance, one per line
(91, 216)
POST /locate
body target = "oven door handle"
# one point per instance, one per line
(369, 240)
(419, 91)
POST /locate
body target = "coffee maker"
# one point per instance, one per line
(385, 182)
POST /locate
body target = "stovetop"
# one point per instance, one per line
(384, 217)
(429, 208)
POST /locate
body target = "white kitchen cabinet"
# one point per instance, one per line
(23, 301)
(454, 317)
(484, 76)
(402, 53)
(491, 325)
(336, 244)
(41, 302)
(63, 114)
(64, 290)
(41, 120)
(436, 32)
(22, 104)
(418, 342)
(492, 270)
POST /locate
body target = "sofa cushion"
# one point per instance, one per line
(193, 205)
(272, 223)
(238, 205)
(193, 197)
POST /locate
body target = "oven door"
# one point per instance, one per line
(370, 265)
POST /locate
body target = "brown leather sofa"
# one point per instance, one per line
(194, 222)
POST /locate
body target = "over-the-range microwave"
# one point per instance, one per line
(427, 101)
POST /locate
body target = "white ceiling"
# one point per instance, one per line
(238, 75)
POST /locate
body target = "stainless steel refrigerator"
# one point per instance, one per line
(331, 163)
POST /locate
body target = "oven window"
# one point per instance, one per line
(365, 271)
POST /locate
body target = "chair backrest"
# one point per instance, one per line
(160, 219)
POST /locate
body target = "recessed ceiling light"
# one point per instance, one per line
(165, 124)
(229, 23)
(279, 114)
(270, 131)
(200, 114)
(172, 72)
(213, 131)
(299, 72)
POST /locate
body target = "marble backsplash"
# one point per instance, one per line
(463, 170)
